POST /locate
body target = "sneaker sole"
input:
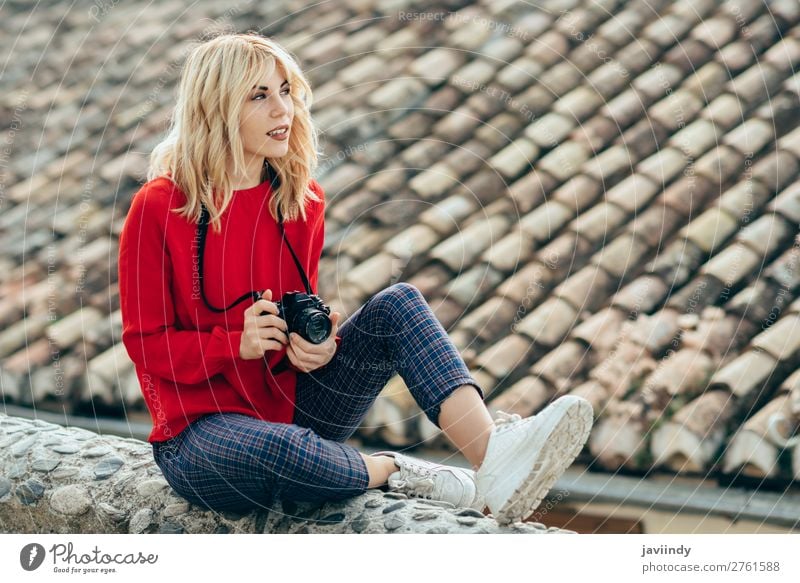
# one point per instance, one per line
(562, 444)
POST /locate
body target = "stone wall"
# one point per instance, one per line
(56, 479)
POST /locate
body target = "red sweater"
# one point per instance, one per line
(186, 356)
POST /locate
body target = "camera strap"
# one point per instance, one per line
(202, 230)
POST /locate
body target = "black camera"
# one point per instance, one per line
(305, 314)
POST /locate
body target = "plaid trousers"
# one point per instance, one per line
(231, 461)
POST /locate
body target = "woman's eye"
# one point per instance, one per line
(287, 91)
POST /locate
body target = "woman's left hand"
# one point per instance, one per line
(307, 356)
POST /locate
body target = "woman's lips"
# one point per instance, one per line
(280, 137)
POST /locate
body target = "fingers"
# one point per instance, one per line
(264, 344)
(335, 318)
(293, 358)
(305, 364)
(274, 333)
(300, 346)
(303, 345)
(267, 338)
(263, 332)
(315, 357)
(270, 320)
(265, 327)
(262, 306)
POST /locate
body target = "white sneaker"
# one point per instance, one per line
(525, 457)
(423, 479)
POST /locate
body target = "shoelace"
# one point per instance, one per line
(422, 484)
(506, 419)
(419, 486)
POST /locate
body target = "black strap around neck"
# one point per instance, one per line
(202, 230)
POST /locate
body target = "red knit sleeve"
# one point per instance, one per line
(317, 243)
(146, 305)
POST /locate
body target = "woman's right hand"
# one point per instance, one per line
(262, 333)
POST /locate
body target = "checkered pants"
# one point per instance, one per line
(231, 461)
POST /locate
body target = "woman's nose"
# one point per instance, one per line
(280, 110)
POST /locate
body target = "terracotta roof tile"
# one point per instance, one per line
(745, 375)
(471, 35)
(767, 234)
(528, 284)
(435, 65)
(471, 287)
(14, 337)
(527, 395)
(431, 279)
(508, 354)
(641, 295)
(756, 83)
(601, 331)
(724, 111)
(548, 48)
(688, 442)
(776, 170)
(549, 323)
(599, 223)
(751, 136)
(595, 133)
(750, 450)
(550, 129)
(586, 289)
(397, 93)
(564, 160)
(490, 319)
(720, 164)
(495, 133)
(447, 311)
(655, 224)
(457, 126)
(782, 339)
(463, 247)
(445, 216)
(374, 274)
(559, 366)
(513, 250)
(432, 183)
(514, 158)
(744, 199)
(754, 303)
(415, 240)
(666, 30)
(518, 74)
(545, 220)
(711, 230)
(474, 73)
(529, 190)
(783, 271)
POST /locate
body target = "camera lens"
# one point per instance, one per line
(317, 326)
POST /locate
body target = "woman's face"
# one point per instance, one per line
(269, 106)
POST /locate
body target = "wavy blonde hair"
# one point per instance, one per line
(203, 136)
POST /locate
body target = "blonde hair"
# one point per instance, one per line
(203, 137)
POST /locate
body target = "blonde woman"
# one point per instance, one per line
(250, 401)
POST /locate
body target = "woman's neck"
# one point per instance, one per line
(255, 174)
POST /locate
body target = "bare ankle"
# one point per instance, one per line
(379, 467)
